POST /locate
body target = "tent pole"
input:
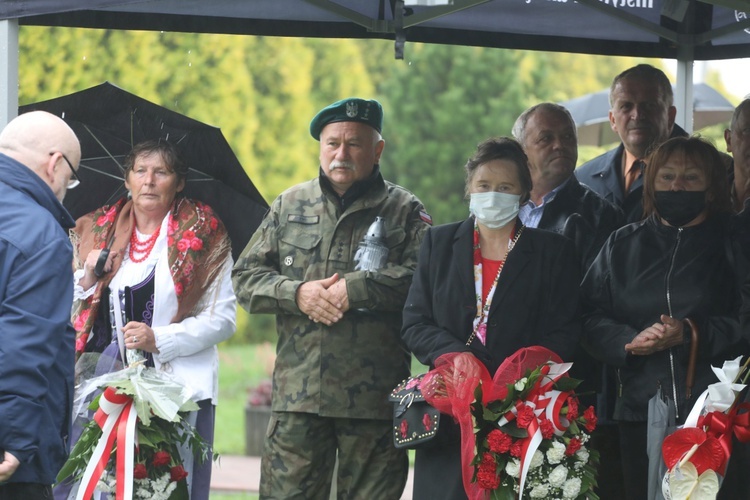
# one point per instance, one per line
(8, 70)
(683, 96)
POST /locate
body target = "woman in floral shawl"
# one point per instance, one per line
(165, 288)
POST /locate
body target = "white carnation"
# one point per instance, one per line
(537, 460)
(558, 476)
(572, 488)
(582, 455)
(513, 467)
(556, 453)
(520, 384)
(539, 491)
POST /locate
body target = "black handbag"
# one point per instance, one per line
(414, 421)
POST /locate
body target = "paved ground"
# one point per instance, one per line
(240, 473)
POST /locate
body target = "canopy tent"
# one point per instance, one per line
(685, 30)
(710, 29)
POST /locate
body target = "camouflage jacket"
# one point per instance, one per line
(346, 369)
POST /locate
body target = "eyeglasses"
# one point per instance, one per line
(74, 181)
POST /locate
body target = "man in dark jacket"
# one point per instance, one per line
(38, 152)
(560, 203)
(642, 114)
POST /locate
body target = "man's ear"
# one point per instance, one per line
(671, 114)
(48, 171)
(728, 139)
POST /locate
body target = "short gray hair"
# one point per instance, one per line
(745, 104)
(519, 128)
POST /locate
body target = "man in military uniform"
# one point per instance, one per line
(337, 297)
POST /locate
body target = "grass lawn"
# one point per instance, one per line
(233, 496)
(240, 367)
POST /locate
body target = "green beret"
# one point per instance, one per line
(352, 109)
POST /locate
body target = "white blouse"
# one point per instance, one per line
(187, 349)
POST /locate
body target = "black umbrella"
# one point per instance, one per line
(109, 121)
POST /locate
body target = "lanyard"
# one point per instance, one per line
(480, 320)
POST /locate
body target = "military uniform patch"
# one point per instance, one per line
(426, 218)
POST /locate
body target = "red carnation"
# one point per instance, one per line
(487, 477)
(488, 480)
(140, 472)
(177, 473)
(488, 461)
(525, 416)
(573, 446)
(572, 408)
(161, 458)
(498, 441)
(591, 420)
(515, 449)
(547, 429)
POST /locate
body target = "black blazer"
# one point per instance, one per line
(536, 301)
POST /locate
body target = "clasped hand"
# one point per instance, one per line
(657, 337)
(324, 301)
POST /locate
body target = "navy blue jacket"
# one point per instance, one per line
(37, 342)
(603, 175)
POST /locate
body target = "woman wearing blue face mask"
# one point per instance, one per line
(487, 287)
(650, 278)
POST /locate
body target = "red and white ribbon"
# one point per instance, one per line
(117, 418)
(542, 399)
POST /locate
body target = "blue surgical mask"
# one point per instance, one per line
(494, 209)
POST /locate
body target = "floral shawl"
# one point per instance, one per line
(198, 246)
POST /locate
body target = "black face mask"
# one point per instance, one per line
(679, 207)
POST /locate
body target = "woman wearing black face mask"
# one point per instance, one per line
(650, 278)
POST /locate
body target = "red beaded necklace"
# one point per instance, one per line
(142, 247)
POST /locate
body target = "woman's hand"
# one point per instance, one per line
(139, 335)
(657, 337)
(89, 278)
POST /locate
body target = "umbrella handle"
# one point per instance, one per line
(100, 262)
(690, 377)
